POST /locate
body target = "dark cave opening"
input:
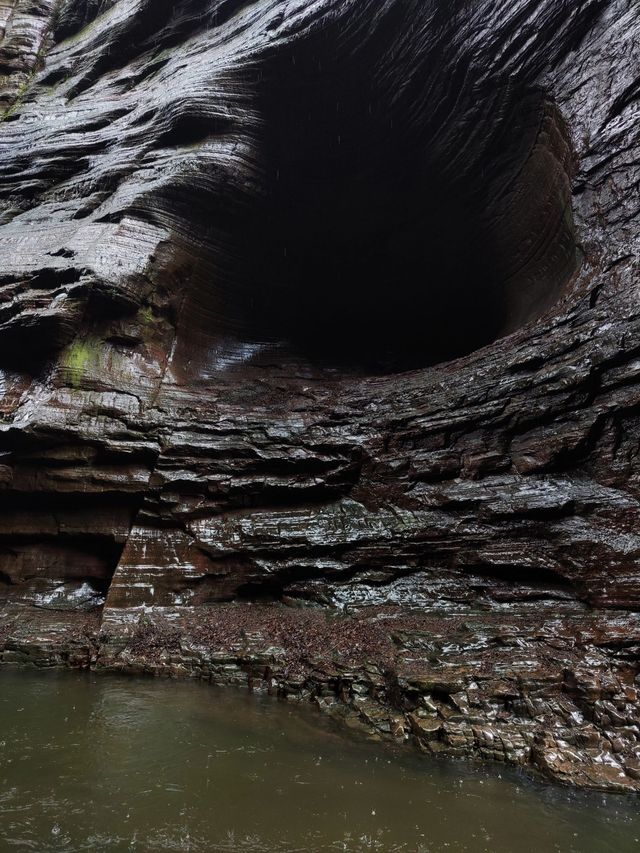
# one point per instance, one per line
(388, 283)
(368, 262)
(409, 215)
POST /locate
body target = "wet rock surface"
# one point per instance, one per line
(331, 387)
(552, 692)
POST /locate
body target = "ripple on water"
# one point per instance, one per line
(103, 763)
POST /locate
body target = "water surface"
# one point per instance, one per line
(104, 763)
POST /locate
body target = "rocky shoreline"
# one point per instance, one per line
(320, 360)
(555, 694)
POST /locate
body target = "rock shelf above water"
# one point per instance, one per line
(317, 309)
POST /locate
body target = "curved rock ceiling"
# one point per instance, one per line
(331, 303)
(356, 191)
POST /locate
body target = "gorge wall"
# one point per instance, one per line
(320, 359)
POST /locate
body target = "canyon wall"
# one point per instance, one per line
(320, 359)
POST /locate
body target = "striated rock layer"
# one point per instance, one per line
(320, 359)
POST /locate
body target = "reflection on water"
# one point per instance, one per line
(103, 763)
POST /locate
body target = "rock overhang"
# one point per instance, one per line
(185, 440)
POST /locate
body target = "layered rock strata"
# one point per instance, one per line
(319, 350)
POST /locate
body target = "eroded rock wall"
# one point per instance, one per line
(332, 305)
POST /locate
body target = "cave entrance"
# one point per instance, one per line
(411, 214)
(368, 266)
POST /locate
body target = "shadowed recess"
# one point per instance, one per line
(412, 212)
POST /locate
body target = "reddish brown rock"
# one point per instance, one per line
(331, 305)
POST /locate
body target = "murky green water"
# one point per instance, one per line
(102, 763)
